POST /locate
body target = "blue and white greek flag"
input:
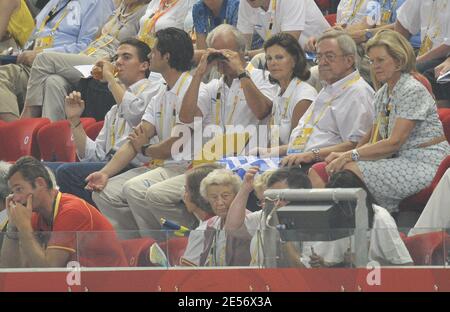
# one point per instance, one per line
(240, 164)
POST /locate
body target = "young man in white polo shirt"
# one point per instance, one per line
(133, 92)
(117, 198)
(431, 19)
(302, 19)
(342, 112)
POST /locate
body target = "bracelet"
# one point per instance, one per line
(74, 127)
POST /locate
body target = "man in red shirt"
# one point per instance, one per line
(47, 228)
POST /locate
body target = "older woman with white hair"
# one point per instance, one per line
(215, 248)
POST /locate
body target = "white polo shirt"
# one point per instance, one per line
(174, 17)
(284, 105)
(342, 112)
(350, 12)
(289, 15)
(120, 120)
(429, 17)
(164, 108)
(233, 108)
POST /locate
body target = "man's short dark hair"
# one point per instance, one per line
(294, 177)
(30, 168)
(178, 45)
(142, 48)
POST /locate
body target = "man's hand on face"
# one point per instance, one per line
(19, 214)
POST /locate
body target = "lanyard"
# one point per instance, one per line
(174, 114)
(328, 103)
(163, 9)
(272, 19)
(387, 112)
(116, 117)
(117, 22)
(51, 15)
(356, 7)
(224, 21)
(219, 105)
(288, 100)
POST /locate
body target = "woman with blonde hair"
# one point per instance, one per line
(402, 152)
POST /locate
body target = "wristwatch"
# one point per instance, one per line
(355, 155)
(144, 148)
(244, 74)
(316, 152)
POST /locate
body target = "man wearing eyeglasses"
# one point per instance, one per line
(343, 110)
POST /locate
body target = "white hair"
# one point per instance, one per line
(220, 177)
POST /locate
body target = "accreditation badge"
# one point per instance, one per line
(426, 45)
(299, 143)
(386, 17)
(44, 43)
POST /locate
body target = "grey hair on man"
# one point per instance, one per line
(225, 28)
(345, 43)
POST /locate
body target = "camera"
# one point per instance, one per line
(216, 56)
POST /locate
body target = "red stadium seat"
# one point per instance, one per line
(331, 19)
(174, 249)
(418, 201)
(93, 130)
(443, 113)
(446, 126)
(428, 248)
(424, 81)
(19, 138)
(136, 251)
(56, 141)
(87, 121)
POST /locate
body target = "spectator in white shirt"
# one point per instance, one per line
(436, 215)
(302, 19)
(286, 63)
(431, 19)
(342, 112)
(133, 93)
(123, 198)
(242, 96)
(162, 14)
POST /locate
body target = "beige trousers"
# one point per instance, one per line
(135, 201)
(52, 77)
(13, 88)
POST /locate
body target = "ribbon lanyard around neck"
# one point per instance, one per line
(184, 78)
(329, 102)
(163, 9)
(272, 19)
(220, 107)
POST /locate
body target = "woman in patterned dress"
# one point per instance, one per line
(401, 154)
